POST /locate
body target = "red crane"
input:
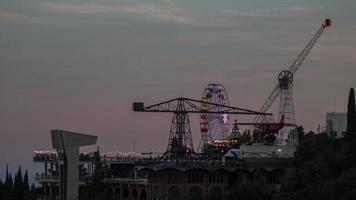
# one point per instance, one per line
(284, 90)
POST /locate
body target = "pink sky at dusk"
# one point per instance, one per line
(79, 65)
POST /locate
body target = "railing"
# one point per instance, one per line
(126, 180)
(142, 160)
(53, 157)
(46, 197)
(50, 177)
(44, 157)
(46, 177)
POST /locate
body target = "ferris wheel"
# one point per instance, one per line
(213, 126)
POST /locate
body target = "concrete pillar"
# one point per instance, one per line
(50, 191)
(46, 168)
(67, 144)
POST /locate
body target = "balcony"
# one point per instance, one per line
(50, 156)
(55, 178)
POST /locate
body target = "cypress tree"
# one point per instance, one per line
(1, 189)
(26, 186)
(11, 183)
(18, 185)
(351, 113)
(7, 179)
(9, 192)
(97, 187)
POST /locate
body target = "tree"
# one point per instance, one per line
(1, 189)
(9, 186)
(96, 185)
(351, 113)
(26, 185)
(18, 185)
(246, 137)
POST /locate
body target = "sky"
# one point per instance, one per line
(79, 64)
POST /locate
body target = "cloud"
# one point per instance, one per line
(15, 18)
(336, 53)
(166, 12)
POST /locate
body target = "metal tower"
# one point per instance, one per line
(180, 144)
(287, 135)
(284, 89)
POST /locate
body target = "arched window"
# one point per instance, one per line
(143, 195)
(125, 194)
(109, 193)
(195, 193)
(134, 194)
(174, 193)
(215, 193)
(156, 193)
(117, 193)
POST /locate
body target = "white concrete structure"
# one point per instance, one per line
(336, 124)
(67, 145)
(262, 151)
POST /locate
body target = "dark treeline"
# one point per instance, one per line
(325, 167)
(17, 187)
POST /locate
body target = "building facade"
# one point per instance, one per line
(120, 180)
(213, 180)
(336, 124)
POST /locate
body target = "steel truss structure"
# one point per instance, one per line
(180, 144)
(284, 89)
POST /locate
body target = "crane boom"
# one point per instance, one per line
(186, 105)
(301, 57)
(294, 67)
(180, 145)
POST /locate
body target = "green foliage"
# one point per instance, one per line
(18, 185)
(347, 184)
(351, 113)
(26, 185)
(16, 189)
(326, 167)
(96, 186)
(246, 137)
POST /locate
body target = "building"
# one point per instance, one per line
(259, 150)
(336, 124)
(120, 179)
(153, 176)
(213, 179)
(143, 177)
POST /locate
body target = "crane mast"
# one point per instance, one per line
(293, 68)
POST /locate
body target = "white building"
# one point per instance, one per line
(336, 124)
(262, 151)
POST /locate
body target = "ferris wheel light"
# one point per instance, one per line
(214, 126)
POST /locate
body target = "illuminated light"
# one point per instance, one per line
(279, 150)
(205, 105)
(204, 130)
(204, 116)
(225, 118)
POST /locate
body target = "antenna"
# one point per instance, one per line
(133, 145)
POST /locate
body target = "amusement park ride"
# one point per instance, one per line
(213, 126)
(214, 110)
(180, 139)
